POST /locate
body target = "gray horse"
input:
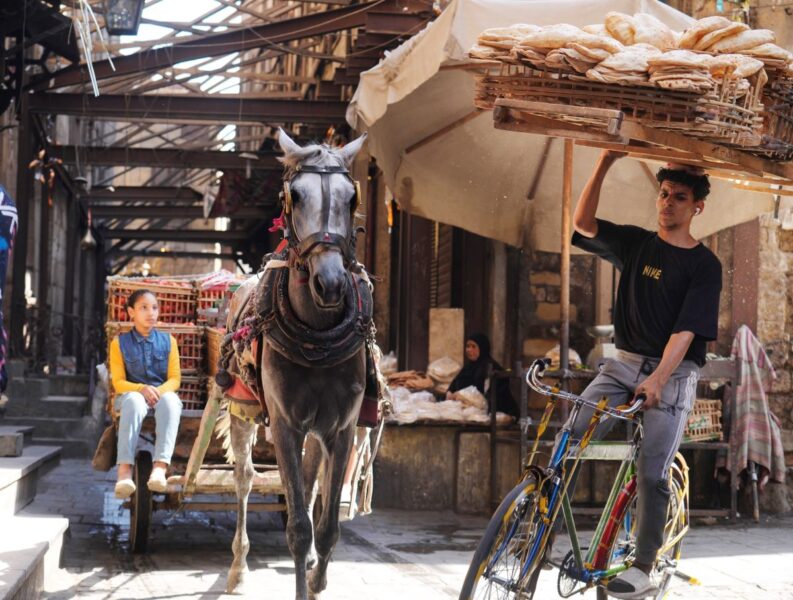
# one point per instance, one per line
(309, 407)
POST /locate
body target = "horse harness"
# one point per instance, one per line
(302, 248)
(268, 317)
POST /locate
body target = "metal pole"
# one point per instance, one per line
(564, 301)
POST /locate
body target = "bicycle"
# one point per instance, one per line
(512, 551)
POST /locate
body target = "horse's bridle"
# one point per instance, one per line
(302, 248)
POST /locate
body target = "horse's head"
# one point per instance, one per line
(320, 199)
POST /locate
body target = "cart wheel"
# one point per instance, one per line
(141, 508)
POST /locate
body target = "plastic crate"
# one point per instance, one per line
(176, 299)
(193, 393)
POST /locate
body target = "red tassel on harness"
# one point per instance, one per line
(278, 223)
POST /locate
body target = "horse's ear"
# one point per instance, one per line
(349, 151)
(288, 145)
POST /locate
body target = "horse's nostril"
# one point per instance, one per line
(318, 287)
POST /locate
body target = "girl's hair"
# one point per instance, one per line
(137, 295)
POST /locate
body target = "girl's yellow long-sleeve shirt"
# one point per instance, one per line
(118, 372)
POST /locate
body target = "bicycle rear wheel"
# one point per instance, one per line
(624, 543)
(495, 569)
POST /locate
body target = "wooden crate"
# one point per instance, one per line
(176, 299)
(189, 338)
(214, 340)
(777, 133)
(726, 114)
(704, 422)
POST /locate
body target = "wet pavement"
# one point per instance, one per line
(387, 555)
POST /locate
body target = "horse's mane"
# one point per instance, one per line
(320, 155)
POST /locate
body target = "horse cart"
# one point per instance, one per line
(200, 478)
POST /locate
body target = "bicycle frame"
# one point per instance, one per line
(554, 480)
(589, 566)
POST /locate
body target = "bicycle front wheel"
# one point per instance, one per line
(495, 569)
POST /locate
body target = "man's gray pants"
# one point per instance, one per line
(663, 430)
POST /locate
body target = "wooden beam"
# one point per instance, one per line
(202, 236)
(241, 40)
(174, 212)
(163, 157)
(183, 108)
(152, 193)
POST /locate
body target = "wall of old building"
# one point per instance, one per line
(542, 281)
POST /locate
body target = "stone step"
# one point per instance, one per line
(50, 427)
(69, 385)
(11, 442)
(24, 390)
(30, 548)
(26, 432)
(48, 406)
(19, 477)
(64, 406)
(70, 448)
(15, 369)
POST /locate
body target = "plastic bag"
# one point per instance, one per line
(388, 363)
(443, 370)
(471, 396)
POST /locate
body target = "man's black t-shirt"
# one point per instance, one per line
(663, 289)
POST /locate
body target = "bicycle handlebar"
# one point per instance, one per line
(536, 371)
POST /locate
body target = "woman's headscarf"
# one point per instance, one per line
(474, 372)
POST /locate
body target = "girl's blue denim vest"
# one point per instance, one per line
(146, 358)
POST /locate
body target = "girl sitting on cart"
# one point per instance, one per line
(144, 368)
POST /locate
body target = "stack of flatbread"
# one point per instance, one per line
(719, 35)
(769, 52)
(565, 47)
(738, 68)
(628, 67)
(496, 43)
(640, 28)
(734, 66)
(681, 70)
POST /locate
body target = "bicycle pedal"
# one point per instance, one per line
(687, 578)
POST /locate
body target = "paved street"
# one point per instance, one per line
(388, 555)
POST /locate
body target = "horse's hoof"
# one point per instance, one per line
(317, 582)
(236, 581)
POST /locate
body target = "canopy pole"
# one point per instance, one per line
(564, 301)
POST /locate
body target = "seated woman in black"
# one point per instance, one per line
(477, 370)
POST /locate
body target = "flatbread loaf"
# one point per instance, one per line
(621, 27)
(716, 36)
(743, 41)
(596, 29)
(593, 54)
(553, 36)
(485, 52)
(650, 30)
(701, 28)
(679, 58)
(738, 65)
(769, 50)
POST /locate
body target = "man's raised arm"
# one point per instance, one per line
(584, 220)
